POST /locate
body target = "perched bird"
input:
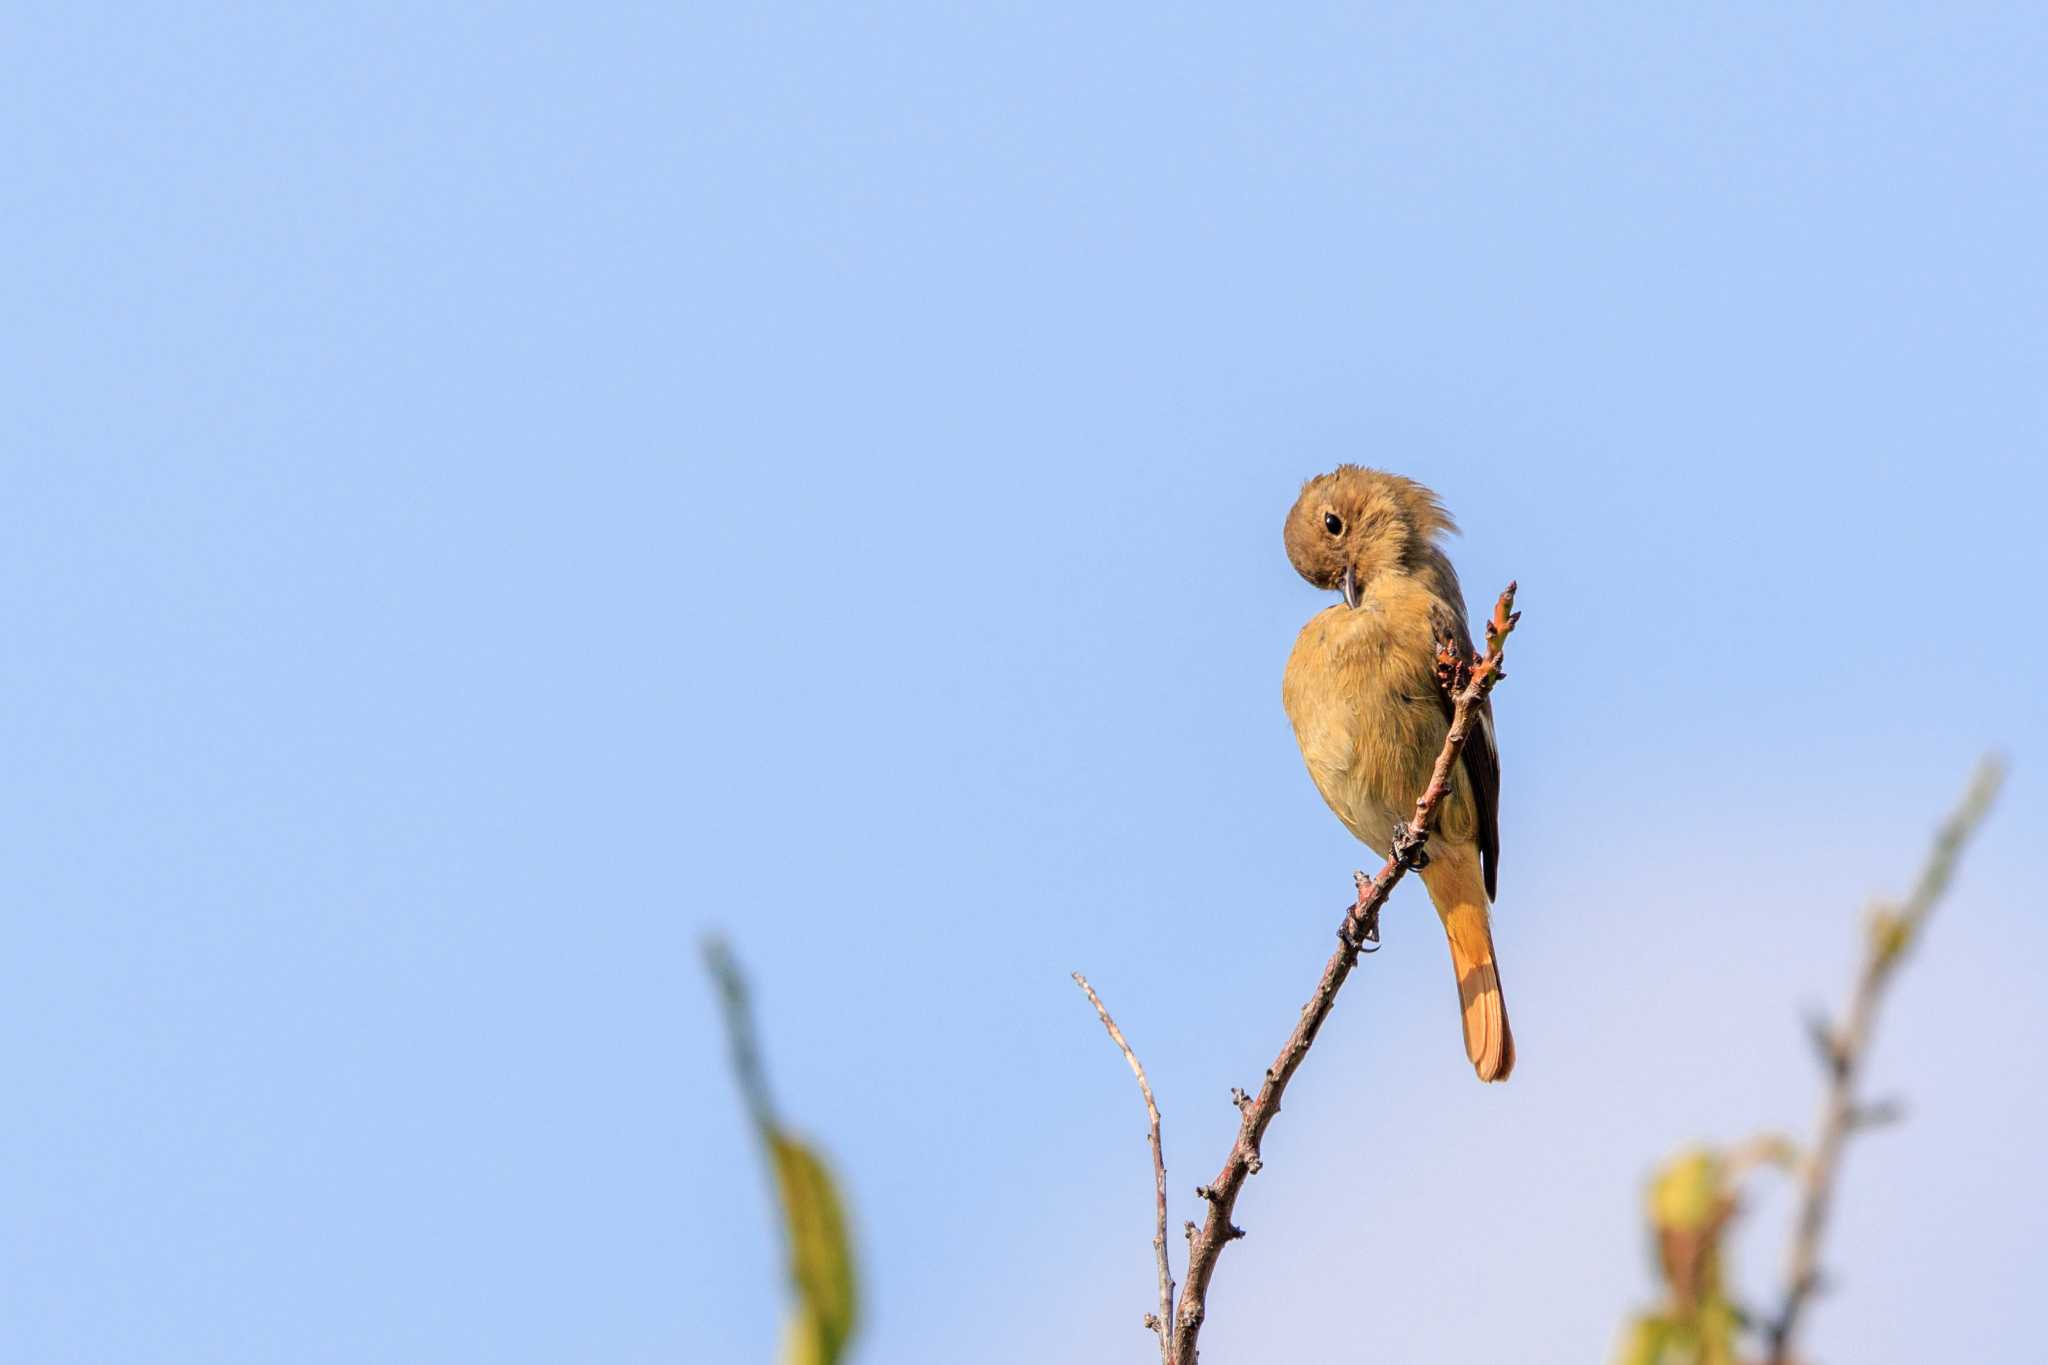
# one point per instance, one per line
(1362, 691)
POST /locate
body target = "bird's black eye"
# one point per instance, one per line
(1333, 523)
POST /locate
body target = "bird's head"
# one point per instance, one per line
(1353, 524)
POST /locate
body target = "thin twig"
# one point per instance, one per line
(1156, 1321)
(1468, 684)
(1843, 1049)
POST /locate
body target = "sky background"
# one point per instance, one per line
(489, 494)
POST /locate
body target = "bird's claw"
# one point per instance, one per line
(1366, 916)
(1368, 933)
(1410, 850)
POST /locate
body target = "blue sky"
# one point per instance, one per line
(492, 494)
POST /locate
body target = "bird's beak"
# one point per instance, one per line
(1350, 587)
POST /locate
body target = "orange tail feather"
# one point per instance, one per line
(1461, 904)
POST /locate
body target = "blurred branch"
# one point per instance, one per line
(1467, 682)
(1894, 930)
(814, 1217)
(1159, 1321)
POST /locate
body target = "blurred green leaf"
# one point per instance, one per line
(1689, 1193)
(820, 1255)
(1691, 1200)
(821, 1262)
(1645, 1342)
(1718, 1325)
(1707, 1337)
(1890, 933)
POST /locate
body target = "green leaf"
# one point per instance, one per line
(1645, 1342)
(820, 1255)
(1719, 1325)
(1688, 1194)
(1890, 935)
(813, 1216)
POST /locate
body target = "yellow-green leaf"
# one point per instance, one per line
(1645, 1342)
(820, 1254)
(1890, 932)
(1688, 1194)
(1718, 1326)
(803, 1340)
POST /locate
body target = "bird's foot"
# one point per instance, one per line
(1409, 847)
(1366, 939)
(1363, 914)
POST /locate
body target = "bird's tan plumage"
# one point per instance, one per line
(1362, 692)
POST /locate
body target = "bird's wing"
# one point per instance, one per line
(1482, 770)
(1481, 757)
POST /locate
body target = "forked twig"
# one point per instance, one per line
(1156, 1321)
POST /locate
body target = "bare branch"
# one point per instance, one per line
(1159, 1321)
(1893, 931)
(1468, 683)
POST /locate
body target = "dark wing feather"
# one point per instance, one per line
(1481, 760)
(1482, 771)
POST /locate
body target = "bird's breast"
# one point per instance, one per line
(1361, 691)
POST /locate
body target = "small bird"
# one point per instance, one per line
(1362, 691)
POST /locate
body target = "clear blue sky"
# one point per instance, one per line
(490, 494)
